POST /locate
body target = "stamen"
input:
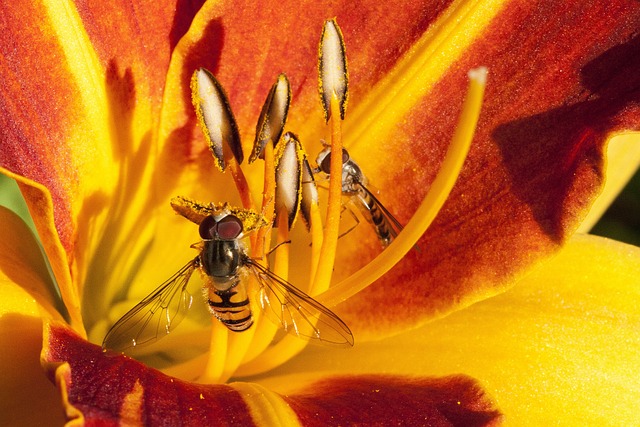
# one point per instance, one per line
(311, 213)
(281, 262)
(273, 117)
(332, 69)
(220, 129)
(269, 129)
(406, 240)
(430, 206)
(289, 158)
(288, 177)
(268, 132)
(332, 223)
(268, 202)
(241, 184)
(333, 93)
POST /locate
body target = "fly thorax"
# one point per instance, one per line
(221, 260)
(351, 177)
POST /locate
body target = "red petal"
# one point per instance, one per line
(36, 102)
(554, 92)
(247, 45)
(138, 37)
(108, 388)
(392, 400)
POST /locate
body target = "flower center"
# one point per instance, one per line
(231, 272)
(255, 351)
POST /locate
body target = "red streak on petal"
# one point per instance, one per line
(246, 45)
(554, 91)
(386, 400)
(37, 106)
(99, 382)
(138, 37)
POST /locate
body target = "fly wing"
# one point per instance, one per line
(296, 312)
(394, 225)
(156, 315)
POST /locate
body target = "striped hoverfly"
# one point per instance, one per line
(225, 269)
(354, 185)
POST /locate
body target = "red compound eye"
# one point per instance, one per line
(229, 228)
(208, 228)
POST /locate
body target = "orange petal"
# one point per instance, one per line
(553, 95)
(558, 348)
(22, 380)
(108, 388)
(136, 39)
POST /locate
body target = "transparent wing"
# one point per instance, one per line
(156, 315)
(394, 225)
(297, 312)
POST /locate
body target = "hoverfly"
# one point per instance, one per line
(225, 268)
(354, 185)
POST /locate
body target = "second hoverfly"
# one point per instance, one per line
(354, 185)
(225, 268)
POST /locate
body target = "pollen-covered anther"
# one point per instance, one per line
(273, 117)
(215, 118)
(333, 69)
(289, 166)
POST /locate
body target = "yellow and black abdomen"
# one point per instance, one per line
(376, 216)
(225, 290)
(231, 306)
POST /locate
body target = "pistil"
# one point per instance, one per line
(431, 204)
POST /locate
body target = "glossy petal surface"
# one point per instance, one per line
(558, 347)
(535, 165)
(107, 388)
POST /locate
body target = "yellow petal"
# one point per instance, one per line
(27, 397)
(22, 265)
(561, 345)
(623, 159)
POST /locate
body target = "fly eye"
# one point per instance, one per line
(325, 165)
(208, 228)
(345, 156)
(229, 227)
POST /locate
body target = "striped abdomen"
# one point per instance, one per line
(231, 307)
(377, 217)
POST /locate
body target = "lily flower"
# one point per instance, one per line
(503, 311)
